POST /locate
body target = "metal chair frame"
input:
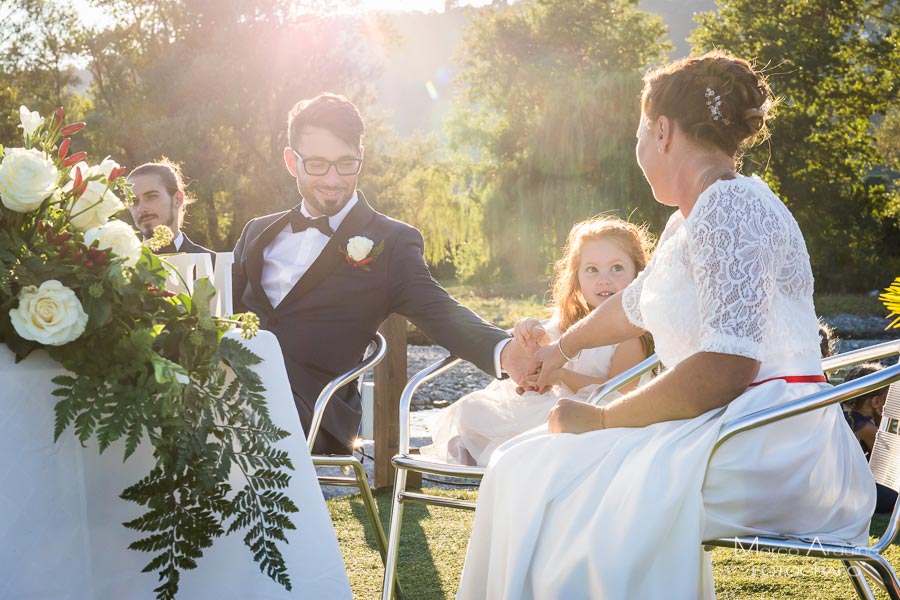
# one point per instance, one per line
(859, 561)
(377, 352)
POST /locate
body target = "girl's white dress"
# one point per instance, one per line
(621, 513)
(469, 430)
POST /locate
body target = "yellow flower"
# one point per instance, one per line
(891, 300)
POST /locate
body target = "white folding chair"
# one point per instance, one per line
(375, 354)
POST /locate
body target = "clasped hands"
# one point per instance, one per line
(534, 362)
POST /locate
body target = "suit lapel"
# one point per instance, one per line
(358, 217)
(255, 255)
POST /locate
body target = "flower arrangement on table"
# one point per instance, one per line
(74, 280)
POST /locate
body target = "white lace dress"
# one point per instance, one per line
(469, 430)
(621, 513)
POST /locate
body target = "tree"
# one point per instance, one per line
(549, 107)
(38, 39)
(833, 63)
(210, 84)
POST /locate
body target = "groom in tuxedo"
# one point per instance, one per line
(325, 274)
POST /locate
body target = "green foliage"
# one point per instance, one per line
(834, 65)
(549, 89)
(410, 181)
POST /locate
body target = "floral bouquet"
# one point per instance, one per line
(74, 279)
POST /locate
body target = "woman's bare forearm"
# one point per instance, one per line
(700, 383)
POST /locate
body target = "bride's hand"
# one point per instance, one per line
(546, 363)
(530, 334)
(572, 416)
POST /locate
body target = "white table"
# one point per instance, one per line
(61, 532)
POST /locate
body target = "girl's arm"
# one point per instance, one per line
(604, 326)
(627, 354)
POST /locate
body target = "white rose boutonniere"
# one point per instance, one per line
(119, 238)
(27, 178)
(50, 314)
(361, 252)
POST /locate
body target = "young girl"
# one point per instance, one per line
(601, 257)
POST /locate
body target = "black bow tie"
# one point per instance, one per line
(300, 222)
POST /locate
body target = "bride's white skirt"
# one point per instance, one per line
(621, 513)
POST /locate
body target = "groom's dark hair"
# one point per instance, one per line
(332, 112)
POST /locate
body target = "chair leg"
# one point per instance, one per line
(362, 483)
(858, 579)
(887, 574)
(390, 567)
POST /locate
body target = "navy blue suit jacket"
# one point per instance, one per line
(326, 321)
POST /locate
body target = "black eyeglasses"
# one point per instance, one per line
(319, 166)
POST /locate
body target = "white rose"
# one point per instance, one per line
(27, 178)
(30, 120)
(97, 204)
(50, 314)
(358, 247)
(117, 237)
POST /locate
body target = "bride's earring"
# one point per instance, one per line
(659, 149)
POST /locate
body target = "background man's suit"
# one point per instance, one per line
(328, 318)
(191, 248)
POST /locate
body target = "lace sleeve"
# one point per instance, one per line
(631, 295)
(735, 242)
(631, 299)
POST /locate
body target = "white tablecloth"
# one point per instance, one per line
(61, 532)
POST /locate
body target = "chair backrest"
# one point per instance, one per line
(885, 457)
(185, 268)
(624, 378)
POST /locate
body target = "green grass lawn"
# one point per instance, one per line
(433, 548)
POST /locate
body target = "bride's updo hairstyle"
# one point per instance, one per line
(716, 99)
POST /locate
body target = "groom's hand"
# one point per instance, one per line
(515, 359)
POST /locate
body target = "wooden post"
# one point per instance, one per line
(390, 377)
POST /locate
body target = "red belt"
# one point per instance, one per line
(794, 379)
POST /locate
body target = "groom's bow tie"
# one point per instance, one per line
(300, 222)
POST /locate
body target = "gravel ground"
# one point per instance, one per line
(853, 332)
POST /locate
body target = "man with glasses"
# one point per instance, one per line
(325, 274)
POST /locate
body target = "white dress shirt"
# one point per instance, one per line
(178, 241)
(287, 257)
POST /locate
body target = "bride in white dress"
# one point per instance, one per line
(602, 256)
(615, 501)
